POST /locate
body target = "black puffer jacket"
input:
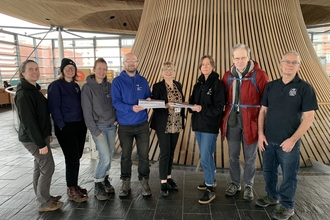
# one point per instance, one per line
(32, 111)
(210, 94)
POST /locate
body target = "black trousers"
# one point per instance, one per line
(72, 141)
(167, 144)
(126, 135)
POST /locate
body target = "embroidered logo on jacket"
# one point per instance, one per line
(293, 92)
(209, 92)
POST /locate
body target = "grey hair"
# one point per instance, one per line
(292, 52)
(239, 47)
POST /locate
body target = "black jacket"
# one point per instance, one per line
(160, 115)
(210, 94)
(33, 113)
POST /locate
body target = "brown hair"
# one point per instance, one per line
(22, 67)
(203, 58)
(99, 60)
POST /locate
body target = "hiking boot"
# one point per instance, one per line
(107, 186)
(82, 190)
(145, 187)
(266, 201)
(233, 189)
(51, 207)
(75, 195)
(164, 189)
(55, 198)
(99, 191)
(125, 187)
(207, 197)
(204, 187)
(282, 213)
(248, 193)
(172, 185)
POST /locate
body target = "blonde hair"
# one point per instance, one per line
(167, 65)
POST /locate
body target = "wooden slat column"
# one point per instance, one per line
(183, 31)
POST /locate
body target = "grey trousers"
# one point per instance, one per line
(235, 137)
(44, 167)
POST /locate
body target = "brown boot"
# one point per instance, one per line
(82, 190)
(75, 195)
(52, 207)
(55, 198)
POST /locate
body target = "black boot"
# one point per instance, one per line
(100, 192)
(208, 196)
(107, 186)
(164, 189)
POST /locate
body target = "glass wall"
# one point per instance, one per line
(15, 48)
(320, 37)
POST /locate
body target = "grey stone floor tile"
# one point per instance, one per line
(192, 206)
(197, 216)
(135, 214)
(224, 211)
(169, 209)
(18, 202)
(255, 215)
(116, 209)
(144, 203)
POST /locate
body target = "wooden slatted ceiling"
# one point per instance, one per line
(183, 31)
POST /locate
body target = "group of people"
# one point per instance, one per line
(243, 105)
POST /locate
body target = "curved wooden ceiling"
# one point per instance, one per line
(94, 15)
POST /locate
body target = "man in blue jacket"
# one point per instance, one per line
(126, 91)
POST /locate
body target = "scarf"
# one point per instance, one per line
(236, 93)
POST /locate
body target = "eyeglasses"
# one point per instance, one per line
(288, 62)
(69, 69)
(131, 61)
(239, 58)
(168, 70)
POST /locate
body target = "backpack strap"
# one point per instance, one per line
(253, 81)
(252, 78)
(245, 106)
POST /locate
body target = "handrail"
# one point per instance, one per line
(9, 91)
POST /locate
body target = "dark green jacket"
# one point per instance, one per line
(32, 111)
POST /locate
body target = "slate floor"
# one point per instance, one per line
(17, 199)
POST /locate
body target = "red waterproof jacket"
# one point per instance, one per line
(250, 95)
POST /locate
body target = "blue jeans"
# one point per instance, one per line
(105, 145)
(126, 134)
(273, 157)
(207, 144)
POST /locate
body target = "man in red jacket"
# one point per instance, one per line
(245, 83)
